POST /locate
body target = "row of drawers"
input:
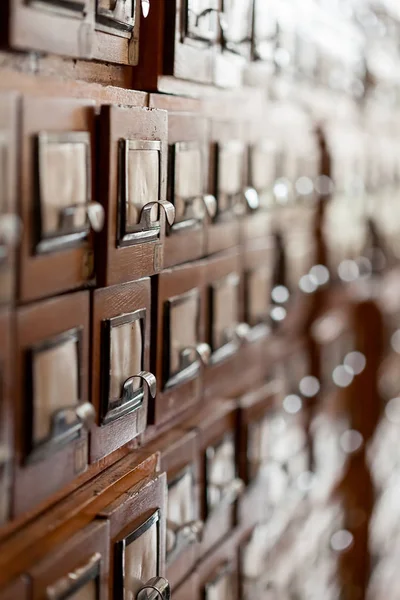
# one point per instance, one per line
(118, 196)
(216, 468)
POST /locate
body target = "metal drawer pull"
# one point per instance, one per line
(145, 7)
(156, 588)
(210, 202)
(10, 233)
(86, 413)
(145, 215)
(94, 211)
(202, 351)
(82, 574)
(252, 198)
(148, 378)
(230, 491)
(241, 331)
(187, 532)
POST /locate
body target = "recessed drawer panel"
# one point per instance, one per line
(230, 174)
(201, 20)
(225, 313)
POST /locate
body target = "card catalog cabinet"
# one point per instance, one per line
(180, 459)
(78, 568)
(227, 179)
(121, 381)
(52, 409)
(58, 207)
(6, 422)
(179, 334)
(133, 186)
(10, 224)
(219, 481)
(137, 530)
(187, 178)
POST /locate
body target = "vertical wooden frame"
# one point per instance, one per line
(6, 400)
(223, 229)
(129, 516)
(179, 457)
(52, 26)
(220, 373)
(80, 563)
(9, 222)
(213, 425)
(187, 127)
(44, 469)
(128, 259)
(177, 391)
(69, 264)
(130, 302)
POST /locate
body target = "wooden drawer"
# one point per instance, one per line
(77, 568)
(226, 331)
(62, 26)
(10, 225)
(6, 423)
(58, 205)
(215, 426)
(116, 37)
(53, 410)
(180, 459)
(180, 338)
(218, 573)
(227, 181)
(121, 381)
(133, 188)
(137, 526)
(20, 588)
(187, 178)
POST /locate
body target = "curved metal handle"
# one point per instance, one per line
(145, 214)
(86, 413)
(206, 12)
(145, 7)
(202, 351)
(156, 588)
(96, 215)
(210, 202)
(241, 332)
(191, 531)
(147, 377)
(10, 230)
(252, 198)
(230, 491)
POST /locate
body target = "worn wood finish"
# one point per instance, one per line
(70, 556)
(109, 303)
(38, 323)
(170, 401)
(225, 557)
(18, 589)
(211, 424)
(126, 263)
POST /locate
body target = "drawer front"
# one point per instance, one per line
(116, 16)
(78, 569)
(137, 523)
(230, 176)
(220, 472)
(183, 525)
(225, 315)
(18, 589)
(122, 383)
(53, 407)
(59, 210)
(263, 158)
(133, 189)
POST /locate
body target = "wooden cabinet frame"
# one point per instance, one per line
(177, 392)
(65, 262)
(20, 588)
(127, 254)
(45, 468)
(118, 425)
(6, 400)
(77, 562)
